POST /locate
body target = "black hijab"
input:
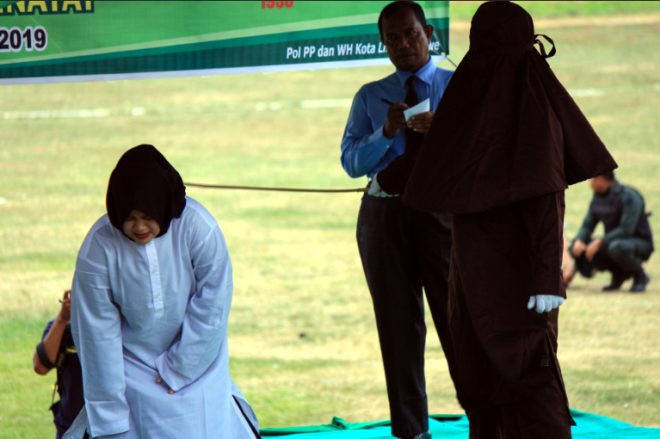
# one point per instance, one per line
(505, 130)
(144, 180)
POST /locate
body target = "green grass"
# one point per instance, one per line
(302, 335)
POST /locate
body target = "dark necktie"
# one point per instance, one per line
(393, 178)
(413, 139)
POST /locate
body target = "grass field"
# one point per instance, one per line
(302, 335)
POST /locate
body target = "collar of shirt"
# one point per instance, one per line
(424, 73)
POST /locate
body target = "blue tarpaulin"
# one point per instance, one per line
(589, 426)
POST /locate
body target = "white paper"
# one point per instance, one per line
(422, 107)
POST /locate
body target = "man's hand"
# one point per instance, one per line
(578, 248)
(395, 120)
(421, 123)
(592, 249)
(65, 310)
(544, 302)
(162, 382)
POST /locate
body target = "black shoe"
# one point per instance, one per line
(640, 283)
(615, 283)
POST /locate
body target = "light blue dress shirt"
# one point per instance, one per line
(159, 309)
(364, 148)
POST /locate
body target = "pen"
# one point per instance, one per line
(387, 102)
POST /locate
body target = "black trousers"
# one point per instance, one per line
(622, 257)
(403, 252)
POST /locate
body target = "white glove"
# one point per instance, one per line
(544, 302)
(376, 191)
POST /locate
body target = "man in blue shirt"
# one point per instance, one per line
(403, 250)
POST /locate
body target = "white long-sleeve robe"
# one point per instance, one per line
(160, 309)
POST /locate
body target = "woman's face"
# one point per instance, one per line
(140, 227)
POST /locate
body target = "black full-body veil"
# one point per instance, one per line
(505, 142)
(506, 129)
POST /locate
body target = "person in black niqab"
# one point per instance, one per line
(505, 142)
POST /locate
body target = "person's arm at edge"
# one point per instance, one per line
(53, 339)
(51, 343)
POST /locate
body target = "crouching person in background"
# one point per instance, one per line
(627, 241)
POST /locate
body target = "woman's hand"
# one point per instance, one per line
(160, 381)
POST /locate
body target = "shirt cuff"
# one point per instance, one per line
(378, 139)
(107, 427)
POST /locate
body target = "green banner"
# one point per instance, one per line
(62, 40)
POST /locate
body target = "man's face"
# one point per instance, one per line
(599, 184)
(406, 40)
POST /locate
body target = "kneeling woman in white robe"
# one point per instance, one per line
(151, 297)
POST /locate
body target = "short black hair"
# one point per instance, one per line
(608, 176)
(396, 7)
